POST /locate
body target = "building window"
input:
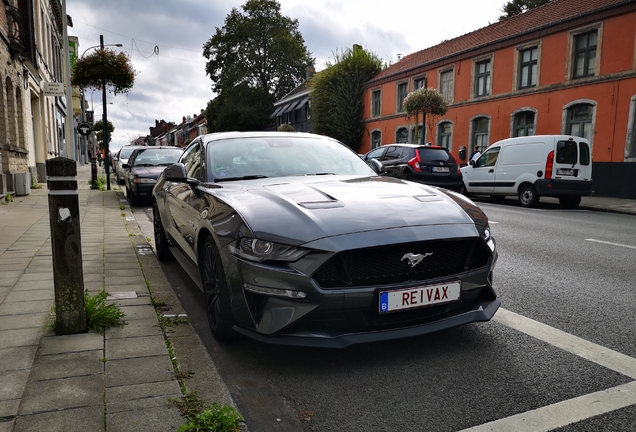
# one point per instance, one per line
(419, 83)
(584, 54)
(421, 134)
(376, 103)
(579, 121)
(481, 129)
(402, 135)
(402, 91)
(444, 134)
(308, 109)
(482, 78)
(524, 124)
(446, 85)
(528, 67)
(376, 139)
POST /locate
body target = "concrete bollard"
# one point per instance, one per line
(93, 171)
(70, 308)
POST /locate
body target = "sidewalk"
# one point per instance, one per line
(120, 381)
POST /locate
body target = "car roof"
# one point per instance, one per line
(271, 134)
(415, 146)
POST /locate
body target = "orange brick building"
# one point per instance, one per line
(568, 67)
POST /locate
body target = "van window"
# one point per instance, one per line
(585, 153)
(489, 158)
(566, 152)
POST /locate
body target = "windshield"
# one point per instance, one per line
(156, 157)
(125, 152)
(254, 157)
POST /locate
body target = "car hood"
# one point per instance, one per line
(148, 172)
(304, 209)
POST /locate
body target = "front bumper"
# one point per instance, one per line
(335, 316)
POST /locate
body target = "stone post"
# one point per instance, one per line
(70, 311)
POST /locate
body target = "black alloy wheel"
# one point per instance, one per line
(528, 196)
(162, 248)
(217, 295)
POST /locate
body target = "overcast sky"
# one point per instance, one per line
(164, 40)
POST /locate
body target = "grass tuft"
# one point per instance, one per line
(99, 315)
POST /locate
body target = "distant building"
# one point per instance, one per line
(295, 108)
(568, 67)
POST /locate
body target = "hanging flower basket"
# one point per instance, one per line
(104, 65)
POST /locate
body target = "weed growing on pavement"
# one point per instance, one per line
(148, 239)
(132, 235)
(222, 418)
(8, 198)
(99, 183)
(99, 315)
(122, 207)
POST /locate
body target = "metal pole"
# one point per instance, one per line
(105, 120)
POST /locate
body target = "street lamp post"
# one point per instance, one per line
(104, 113)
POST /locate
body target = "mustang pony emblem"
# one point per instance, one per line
(415, 259)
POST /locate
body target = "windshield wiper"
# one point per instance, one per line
(322, 173)
(143, 165)
(248, 177)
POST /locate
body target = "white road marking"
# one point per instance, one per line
(564, 413)
(573, 410)
(611, 243)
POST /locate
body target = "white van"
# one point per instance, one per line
(531, 167)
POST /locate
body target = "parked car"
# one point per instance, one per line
(295, 240)
(428, 164)
(122, 158)
(144, 166)
(531, 167)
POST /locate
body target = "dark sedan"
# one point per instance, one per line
(144, 166)
(295, 240)
(428, 164)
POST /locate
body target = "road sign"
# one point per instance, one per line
(84, 129)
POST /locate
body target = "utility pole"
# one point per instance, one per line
(105, 120)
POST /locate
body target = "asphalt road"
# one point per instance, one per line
(559, 355)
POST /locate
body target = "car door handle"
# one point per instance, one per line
(490, 171)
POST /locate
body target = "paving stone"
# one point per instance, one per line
(30, 295)
(141, 396)
(74, 392)
(77, 419)
(139, 346)
(138, 370)
(8, 322)
(151, 419)
(66, 365)
(71, 343)
(138, 312)
(33, 284)
(17, 358)
(9, 408)
(140, 327)
(13, 384)
(20, 337)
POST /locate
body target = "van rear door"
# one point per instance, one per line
(572, 160)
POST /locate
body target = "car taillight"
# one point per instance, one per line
(456, 162)
(548, 165)
(415, 163)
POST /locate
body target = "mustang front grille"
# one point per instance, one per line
(393, 264)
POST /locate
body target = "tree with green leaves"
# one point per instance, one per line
(516, 7)
(425, 101)
(336, 95)
(256, 58)
(98, 128)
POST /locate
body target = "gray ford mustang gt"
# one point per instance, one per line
(295, 240)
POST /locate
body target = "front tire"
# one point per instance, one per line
(217, 293)
(528, 196)
(161, 239)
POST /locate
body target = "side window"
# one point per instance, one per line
(489, 158)
(393, 153)
(482, 78)
(402, 91)
(192, 161)
(376, 103)
(584, 152)
(375, 154)
(446, 84)
(528, 67)
(584, 61)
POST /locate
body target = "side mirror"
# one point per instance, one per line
(471, 162)
(175, 173)
(376, 166)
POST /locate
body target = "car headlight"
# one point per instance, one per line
(486, 233)
(262, 250)
(144, 180)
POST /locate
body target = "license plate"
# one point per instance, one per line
(565, 171)
(410, 298)
(441, 169)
